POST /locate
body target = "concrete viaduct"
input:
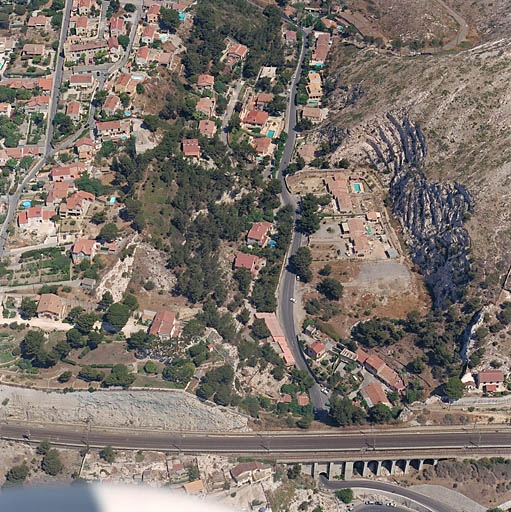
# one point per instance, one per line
(365, 468)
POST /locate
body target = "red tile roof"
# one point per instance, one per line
(244, 260)
(163, 323)
(317, 347)
(205, 80)
(259, 230)
(375, 362)
(256, 117)
(375, 393)
(490, 376)
(83, 246)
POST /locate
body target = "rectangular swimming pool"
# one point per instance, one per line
(271, 133)
(357, 187)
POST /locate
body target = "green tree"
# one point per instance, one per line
(28, 308)
(43, 448)
(109, 232)
(344, 495)
(120, 376)
(330, 288)
(169, 19)
(89, 374)
(51, 463)
(151, 122)
(454, 388)
(151, 367)
(74, 338)
(106, 301)
(179, 371)
(259, 329)
(294, 471)
(299, 264)
(117, 315)
(86, 322)
(130, 301)
(344, 412)
(32, 344)
(107, 454)
(17, 474)
(65, 376)
(380, 413)
(244, 278)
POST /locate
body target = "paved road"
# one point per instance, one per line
(287, 281)
(462, 32)
(57, 79)
(430, 503)
(313, 443)
(230, 109)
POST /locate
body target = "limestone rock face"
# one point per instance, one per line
(431, 214)
(170, 410)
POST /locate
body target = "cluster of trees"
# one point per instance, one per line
(377, 332)
(33, 350)
(217, 383)
(309, 220)
(345, 413)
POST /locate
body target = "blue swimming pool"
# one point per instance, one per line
(357, 187)
(271, 133)
(182, 16)
(26, 204)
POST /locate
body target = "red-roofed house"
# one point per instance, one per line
(83, 250)
(50, 306)
(262, 145)
(373, 394)
(38, 105)
(85, 81)
(153, 14)
(248, 261)
(207, 127)
(148, 34)
(82, 25)
(362, 356)
(85, 148)
(302, 399)
(163, 325)
(67, 172)
(73, 110)
(316, 349)
(142, 56)
(116, 26)
(205, 81)
(58, 191)
(256, 119)
(34, 216)
(258, 233)
(272, 323)
(238, 51)
(5, 109)
(374, 364)
(38, 22)
(290, 36)
(491, 380)
(76, 205)
(114, 130)
(112, 104)
(206, 106)
(191, 148)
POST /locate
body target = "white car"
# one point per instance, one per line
(292, 299)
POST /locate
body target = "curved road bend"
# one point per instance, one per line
(264, 443)
(397, 490)
(463, 30)
(287, 281)
(57, 78)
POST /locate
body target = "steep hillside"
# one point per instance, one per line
(462, 104)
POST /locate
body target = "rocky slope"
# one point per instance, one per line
(462, 103)
(431, 214)
(170, 410)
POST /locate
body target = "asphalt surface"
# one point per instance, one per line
(57, 79)
(267, 443)
(462, 32)
(14, 199)
(430, 503)
(287, 282)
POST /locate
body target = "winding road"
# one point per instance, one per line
(396, 490)
(463, 30)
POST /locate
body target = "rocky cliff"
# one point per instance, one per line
(431, 214)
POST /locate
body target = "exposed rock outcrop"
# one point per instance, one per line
(171, 410)
(431, 214)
